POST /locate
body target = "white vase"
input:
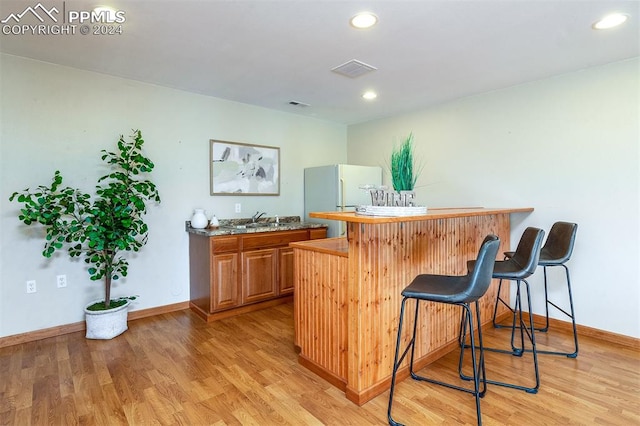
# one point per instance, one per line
(106, 324)
(199, 219)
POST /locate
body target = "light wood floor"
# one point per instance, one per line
(176, 369)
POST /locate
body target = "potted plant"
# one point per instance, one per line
(100, 227)
(403, 178)
(403, 175)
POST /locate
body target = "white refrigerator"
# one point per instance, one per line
(337, 188)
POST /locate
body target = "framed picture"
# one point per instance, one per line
(244, 169)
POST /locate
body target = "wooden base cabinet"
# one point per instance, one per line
(233, 274)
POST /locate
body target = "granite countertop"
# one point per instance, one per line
(246, 226)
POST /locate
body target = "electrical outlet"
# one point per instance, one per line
(61, 280)
(238, 208)
(31, 286)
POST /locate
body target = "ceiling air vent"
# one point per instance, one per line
(353, 68)
(299, 104)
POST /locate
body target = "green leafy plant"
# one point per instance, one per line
(403, 173)
(102, 227)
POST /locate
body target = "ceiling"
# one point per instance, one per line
(268, 53)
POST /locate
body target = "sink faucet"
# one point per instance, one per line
(257, 216)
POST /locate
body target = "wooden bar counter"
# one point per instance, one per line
(347, 291)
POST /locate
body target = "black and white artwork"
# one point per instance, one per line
(244, 169)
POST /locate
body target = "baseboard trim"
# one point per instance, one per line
(329, 376)
(208, 317)
(60, 330)
(583, 330)
(158, 310)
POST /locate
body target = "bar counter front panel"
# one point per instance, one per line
(347, 291)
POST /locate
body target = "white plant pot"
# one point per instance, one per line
(106, 324)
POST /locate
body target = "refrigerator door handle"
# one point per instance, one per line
(343, 230)
(342, 203)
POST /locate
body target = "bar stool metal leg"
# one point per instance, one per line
(499, 301)
(571, 315)
(530, 332)
(518, 324)
(451, 290)
(477, 360)
(397, 360)
(548, 302)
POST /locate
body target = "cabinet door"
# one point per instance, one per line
(225, 289)
(285, 270)
(259, 274)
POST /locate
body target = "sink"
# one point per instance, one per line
(249, 225)
(235, 226)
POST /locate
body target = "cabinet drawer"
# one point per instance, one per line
(317, 233)
(272, 239)
(224, 244)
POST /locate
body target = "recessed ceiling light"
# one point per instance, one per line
(369, 95)
(610, 21)
(364, 20)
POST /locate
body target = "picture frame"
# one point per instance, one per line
(243, 169)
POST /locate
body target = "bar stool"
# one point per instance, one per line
(454, 290)
(520, 266)
(557, 251)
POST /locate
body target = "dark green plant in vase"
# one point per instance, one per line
(101, 227)
(403, 174)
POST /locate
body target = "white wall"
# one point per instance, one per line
(54, 117)
(567, 146)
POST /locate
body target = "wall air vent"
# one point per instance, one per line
(353, 68)
(299, 104)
